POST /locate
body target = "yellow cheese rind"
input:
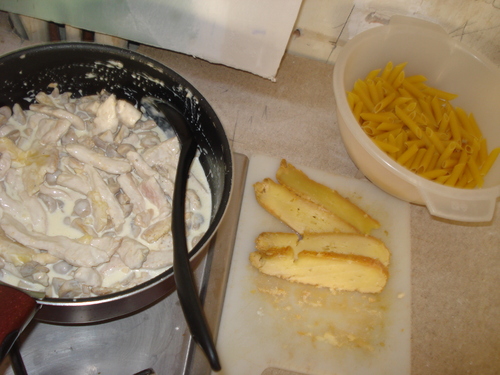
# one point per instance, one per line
(298, 213)
(341, 243)
(346, 272)
(298, 182)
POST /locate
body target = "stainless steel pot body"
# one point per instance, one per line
(86, 69)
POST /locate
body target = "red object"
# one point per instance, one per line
(16, 310)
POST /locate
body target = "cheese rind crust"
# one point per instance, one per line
(347, 272)
(300, 214)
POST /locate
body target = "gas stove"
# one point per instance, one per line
(154, 340)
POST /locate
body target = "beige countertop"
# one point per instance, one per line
(455, 268)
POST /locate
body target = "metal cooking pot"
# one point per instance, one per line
(85, 69)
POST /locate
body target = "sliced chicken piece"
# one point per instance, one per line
(13, 252)
(106, 117)
(45, 258)
(129, 186)
(7, 146)
(159, 259)
(151, 190)
(41, 160)
(60, 192)
(99, 211)
(44, 126)
(87, 156)
(127, 113)
(38, 215)
(72, 251)
(43, 98)
(75, 120)
(157, 230)
(115, 264)
(132, 253)
(140, 166)
(113, 208)
(107, 243)
(68, 288)
(90, 107)
(34, 119)
(88, 276)
(74, 182)
(7, 129)
(165, 152)
(5, 163)
(18, 114)
(14, 207)
(60, 128)
(133, 140)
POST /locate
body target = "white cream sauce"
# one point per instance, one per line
(105, 277)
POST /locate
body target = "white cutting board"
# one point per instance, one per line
(270, 323)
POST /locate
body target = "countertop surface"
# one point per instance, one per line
(455, 277)
(455, 267)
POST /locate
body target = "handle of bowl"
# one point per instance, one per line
(477, 209)
(405, 20)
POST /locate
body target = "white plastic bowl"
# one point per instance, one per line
(449, 66)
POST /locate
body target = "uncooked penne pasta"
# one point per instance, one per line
(439, 93)
(387, 147)
(416, 125)
(396, 71)
(488, 163)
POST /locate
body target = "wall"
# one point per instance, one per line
(323, 26)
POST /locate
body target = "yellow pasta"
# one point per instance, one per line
(455, 128)
(412, 125)
(488, 163)
(445, 123)
(418, 159)
(384, 102)
(434, 138)
(372, 91)
(384, 146)
(379, 117)
(414, 91)
(387, 71)
(387, 126)
(361, 89)
(426, 160)
(407, 155)
(437, 109)
(374, 73)
(474, 170)
(416, 125)
(396, 71)
(419, 78)
(439, 93)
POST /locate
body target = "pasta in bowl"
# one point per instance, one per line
(423, 51)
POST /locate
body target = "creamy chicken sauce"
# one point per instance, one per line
(85, 196)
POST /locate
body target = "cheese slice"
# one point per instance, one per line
(341, 243)
(298, 182)
(347, 272)
(302, 215)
